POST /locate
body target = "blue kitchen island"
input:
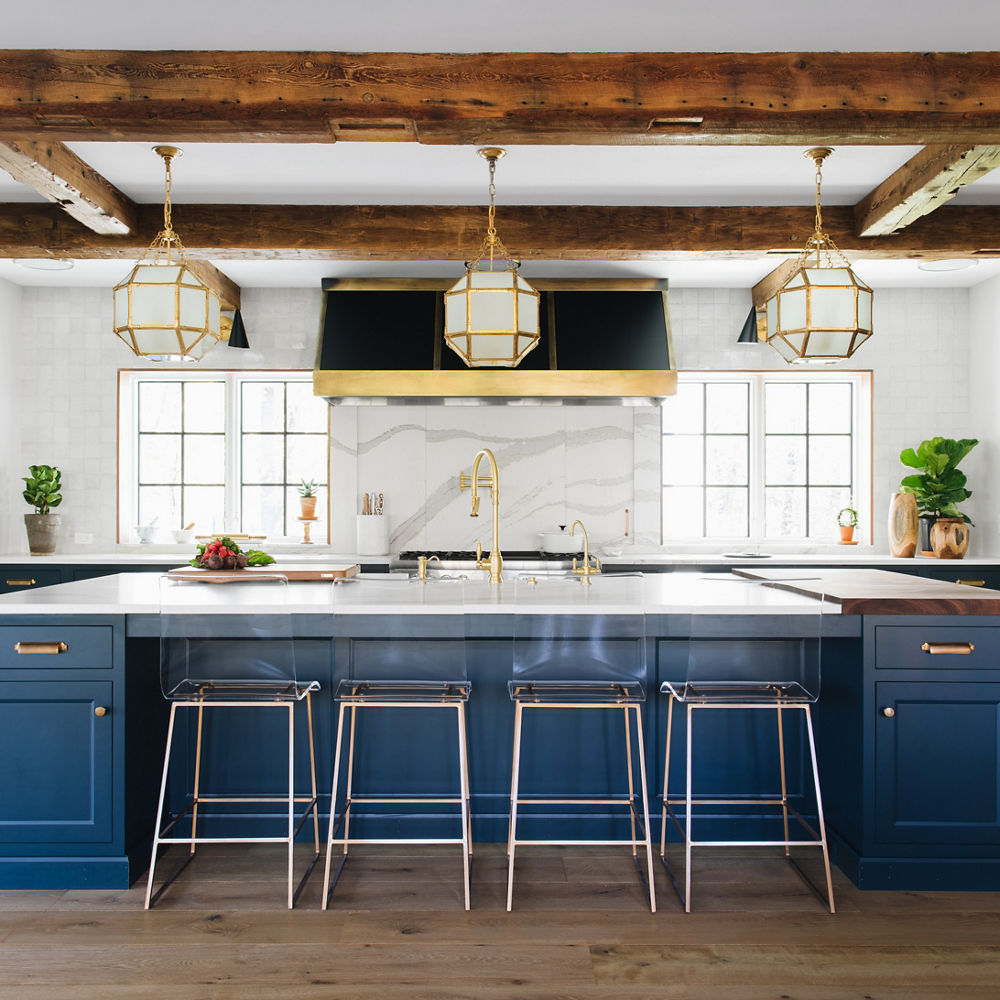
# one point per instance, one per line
(908, 739)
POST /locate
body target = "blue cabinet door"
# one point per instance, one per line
(937, 767)
(55, 762)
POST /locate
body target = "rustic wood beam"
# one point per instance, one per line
(223, 286)
(60, 175)
(766, 287)
(514, 97)
(922, 184)
(454, 232)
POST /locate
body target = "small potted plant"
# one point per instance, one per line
(938, 487)
(41, 490)
(307, 498)
(847, 520)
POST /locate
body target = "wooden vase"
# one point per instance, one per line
(949, 538)
(903, 525)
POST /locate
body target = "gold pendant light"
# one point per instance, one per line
(491, 317)
(823, 312)
(163, 310)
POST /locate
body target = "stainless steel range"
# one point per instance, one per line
(458, 563)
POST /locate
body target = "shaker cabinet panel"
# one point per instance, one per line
(937, 767)
(55, 762)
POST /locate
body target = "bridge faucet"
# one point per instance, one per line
(586, 571)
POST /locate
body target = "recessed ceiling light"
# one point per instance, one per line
(45, 263)
(953, 264)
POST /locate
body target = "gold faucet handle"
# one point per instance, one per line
(422, 562)
(479, 556)
(465, 482)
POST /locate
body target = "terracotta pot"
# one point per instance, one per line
(43, 533)
(949, 538)
(903, 525)
(846, 533)
(308, 505)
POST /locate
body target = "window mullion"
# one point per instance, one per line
(234, 476)
(757, 442)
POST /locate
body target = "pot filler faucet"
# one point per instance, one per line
(495, 564)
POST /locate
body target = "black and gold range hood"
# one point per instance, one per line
(602, 341)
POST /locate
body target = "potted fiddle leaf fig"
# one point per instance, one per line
(939, 487)
(41, 490)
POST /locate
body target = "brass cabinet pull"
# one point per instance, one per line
(626, 522)
(972, 583)
(21, 583)
(47, 648)
(888, 712)
(955, 648)
(100, 711)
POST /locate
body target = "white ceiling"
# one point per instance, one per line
(409, 173)
(514, 26)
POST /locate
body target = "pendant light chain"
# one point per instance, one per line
(491, 230)
(819, 205)
(820, 240)
(166, 239)
(492, 246)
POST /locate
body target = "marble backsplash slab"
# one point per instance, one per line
(556, 464)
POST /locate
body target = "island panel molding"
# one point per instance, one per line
(797, 98)
(547, 232)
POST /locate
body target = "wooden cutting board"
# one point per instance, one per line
(881, 592)
(291, 571)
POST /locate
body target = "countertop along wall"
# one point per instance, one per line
(556, 463)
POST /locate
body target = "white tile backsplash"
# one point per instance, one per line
(555, 463)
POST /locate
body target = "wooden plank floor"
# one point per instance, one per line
(581, 930)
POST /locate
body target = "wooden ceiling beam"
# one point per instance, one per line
(925, 182)
(223, 286)
(454, 232)
(60, 175)
(572, 98)
(766, 287)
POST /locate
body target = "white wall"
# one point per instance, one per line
(12, 506)
(983, 464)
(919, 355)
(556, 463)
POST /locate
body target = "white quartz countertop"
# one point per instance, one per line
(159, 555)
(669, 593)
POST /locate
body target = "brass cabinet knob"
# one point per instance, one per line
(888, 712)
(100, 711)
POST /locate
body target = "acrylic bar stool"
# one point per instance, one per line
(715, 675)
(226, 643)
(568, 658)
(426, 674)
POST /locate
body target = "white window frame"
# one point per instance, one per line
(862, 452)
(128, 424)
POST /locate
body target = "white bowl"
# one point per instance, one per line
(145, 532)
(184, 536)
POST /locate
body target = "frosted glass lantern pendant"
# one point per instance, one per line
(823, 312)
(491, 316)
(163, 310)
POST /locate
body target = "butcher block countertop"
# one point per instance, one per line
(881, 592)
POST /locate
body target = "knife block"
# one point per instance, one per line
(373, 535)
